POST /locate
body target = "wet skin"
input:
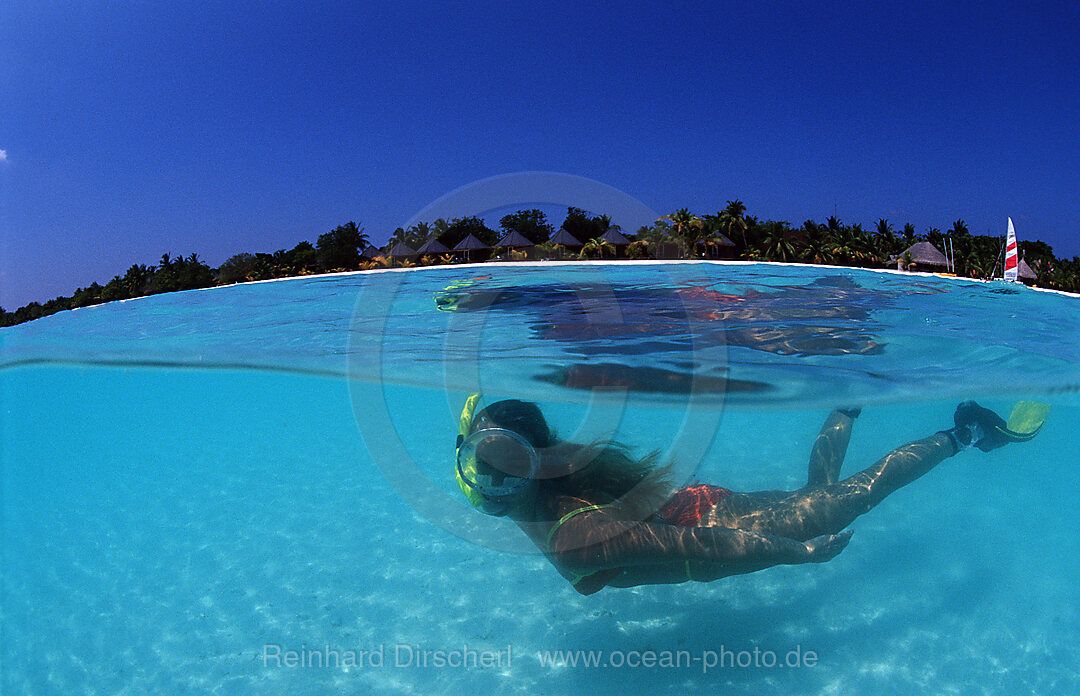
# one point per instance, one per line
(742, 533)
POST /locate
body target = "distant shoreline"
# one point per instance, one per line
(526, 237)
(587, 262)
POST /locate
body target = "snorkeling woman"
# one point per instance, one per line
(605, 519)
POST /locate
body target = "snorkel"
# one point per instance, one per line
(493, 465)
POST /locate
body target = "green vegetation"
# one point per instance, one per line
(532, 224)
(729, 233)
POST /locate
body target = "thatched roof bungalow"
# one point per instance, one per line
(401, 249)
(1024, 272)
(514, 239)
(924, 257)
(469, 245)
(615, 238)
(433, 246)
(564, 238)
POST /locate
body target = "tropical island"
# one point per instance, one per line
(728, 234)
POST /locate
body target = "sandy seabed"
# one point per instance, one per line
(164, 549)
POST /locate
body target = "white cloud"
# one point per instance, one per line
(3, 155)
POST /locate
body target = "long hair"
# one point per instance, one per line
(603, 473)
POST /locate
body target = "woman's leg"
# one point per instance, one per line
(829, 508)
(830, 448)
(826, 458)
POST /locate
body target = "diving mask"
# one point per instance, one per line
(495, 465)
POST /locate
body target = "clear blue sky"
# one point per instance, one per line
(130, 129)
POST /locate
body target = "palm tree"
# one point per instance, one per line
(662, 238)
(849, 245)
(980, 258)
(137, 278)
(708, 239)
(935, 237)
(958, 246)
(909, 235)
(654, 233)
(603, 222)
(885, 242)
(974, 264)
(863, 244)
(777, 243)
(415, 236)
(638, 249)
(683, 221)
(1063, 275)
(815, 246)
(597, 246)
(733, 218)
(399, 235)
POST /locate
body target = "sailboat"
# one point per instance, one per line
(1012, 259)
(1010, 278)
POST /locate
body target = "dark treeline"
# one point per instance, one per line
(839, 244)
(729, 233)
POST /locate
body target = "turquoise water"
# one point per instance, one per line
(196, 484)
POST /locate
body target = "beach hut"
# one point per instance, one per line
(514, 240)
(432, 246)
(564, 240)
(924, 257)
(616, 239)
(370, 252)
(715, 241)
(401, 249)
(1024, 272)
(470, 244)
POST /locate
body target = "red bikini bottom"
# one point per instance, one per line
(687, 506)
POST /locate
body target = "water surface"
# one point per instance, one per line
(190, 480)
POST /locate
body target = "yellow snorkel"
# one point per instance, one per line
(493, 465)
(469, 467)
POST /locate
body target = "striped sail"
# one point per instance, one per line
(1011, 260)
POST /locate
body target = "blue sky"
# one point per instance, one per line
(131, 129)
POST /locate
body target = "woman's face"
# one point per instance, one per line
(502, 459)
(499, 457)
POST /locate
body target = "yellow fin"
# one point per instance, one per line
(1028, 417)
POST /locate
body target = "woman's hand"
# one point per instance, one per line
(826, 547)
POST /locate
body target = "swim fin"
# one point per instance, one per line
(987, 430)
(1025, 421)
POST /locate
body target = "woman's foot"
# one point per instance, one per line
(978, 426)
(827, 546)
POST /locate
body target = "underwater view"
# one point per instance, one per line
(257, 489)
